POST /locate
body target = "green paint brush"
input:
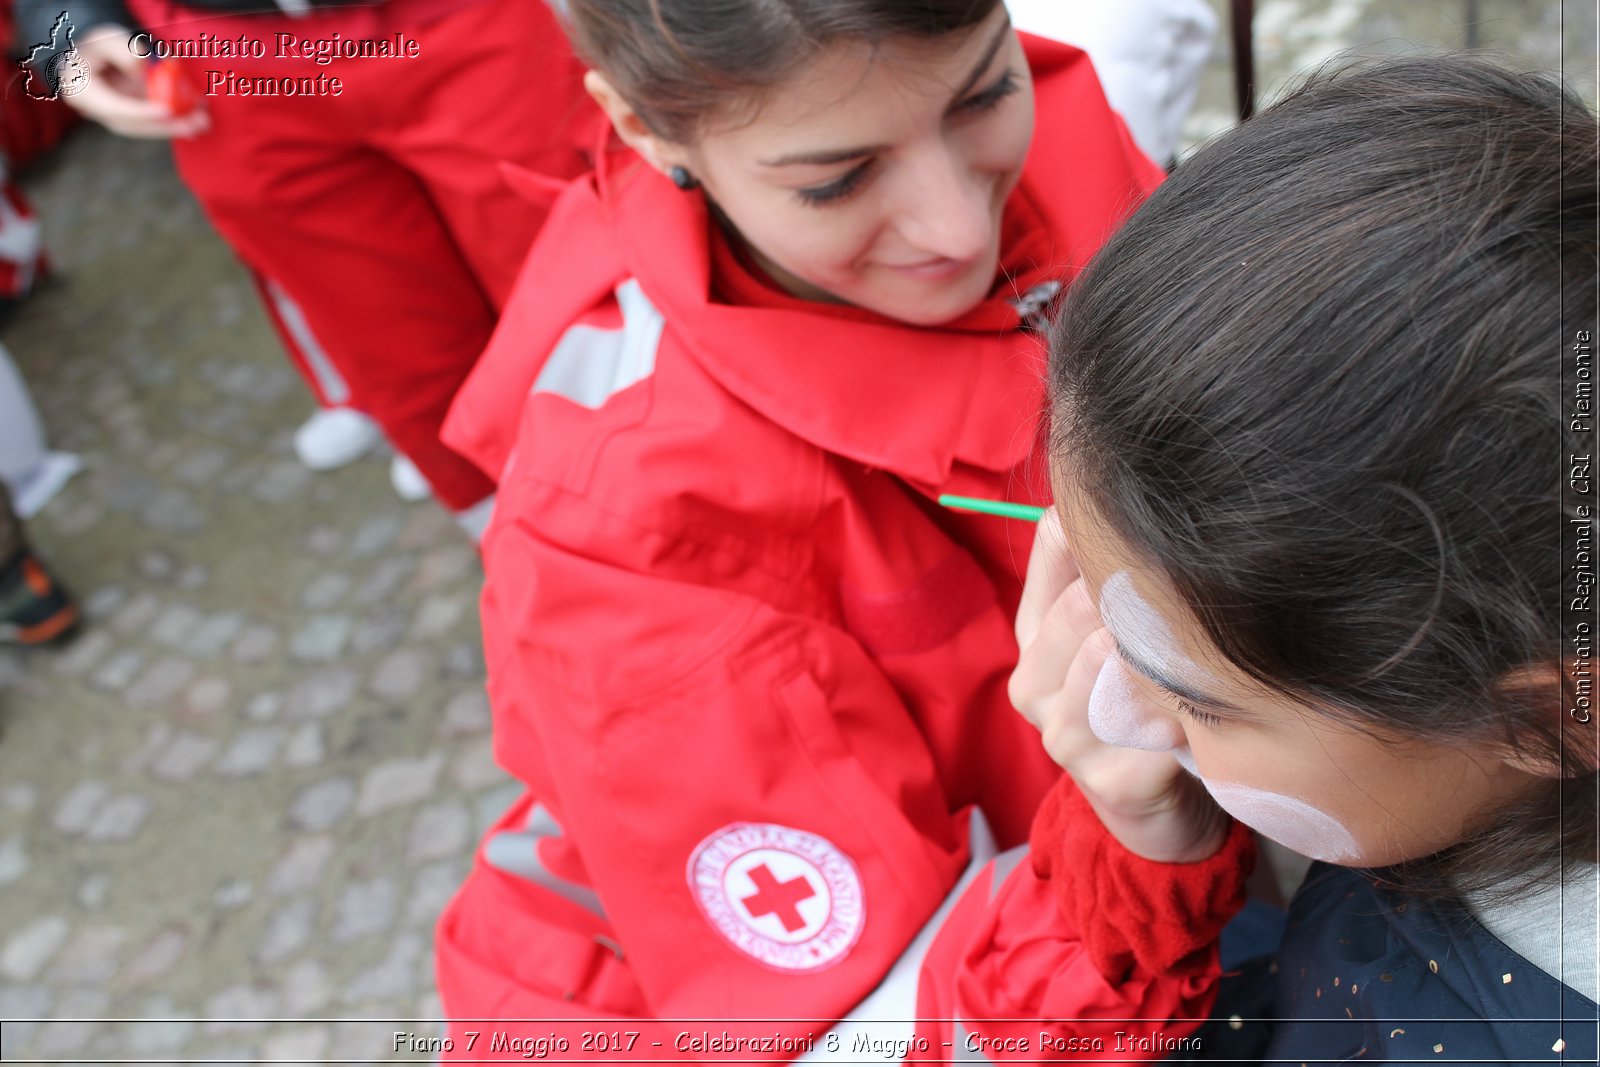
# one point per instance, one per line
(1003, 508)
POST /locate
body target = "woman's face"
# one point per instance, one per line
(1322, 788)
(879, 179)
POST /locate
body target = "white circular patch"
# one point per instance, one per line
(788, 898)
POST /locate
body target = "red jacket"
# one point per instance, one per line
(753, 675)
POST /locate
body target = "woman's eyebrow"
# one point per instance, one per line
(830, 156)
(989, 53)
(1174, 685)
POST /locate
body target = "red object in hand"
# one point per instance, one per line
(166, 83)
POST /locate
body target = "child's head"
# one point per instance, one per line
(863, 149)
(1309, 442)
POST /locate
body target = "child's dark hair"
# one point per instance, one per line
(1316, 382)
(680, 62)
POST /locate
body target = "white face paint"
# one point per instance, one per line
(1293, 823)
(1141, 630)
(1118, 717)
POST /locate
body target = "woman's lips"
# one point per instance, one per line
(934, 270)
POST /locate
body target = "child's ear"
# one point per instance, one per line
(1548, 703)
(635, 133)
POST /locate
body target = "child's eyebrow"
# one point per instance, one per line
(1175, 686)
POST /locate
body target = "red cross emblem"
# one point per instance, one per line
(778, 898)
(789, 898)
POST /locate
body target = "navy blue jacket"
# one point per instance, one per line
(1364, 975)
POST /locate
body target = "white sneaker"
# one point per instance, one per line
(408, 481)
(334, 437)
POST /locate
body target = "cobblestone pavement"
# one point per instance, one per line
(245, 792)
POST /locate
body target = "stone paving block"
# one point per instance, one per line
(431, 889)
(366, 908)
(120, 820)
(255, 643)
(103, 601)
(288, 931)
(160, 683)
(238, 1008)
(207, 697)
(213, 636)
(326, 591)
(322, 693)
(119, 671)
(254, 749)
(323, 805)
(395, 783)
(282, 482)
(84, 653)
(474, 768)
(436, 616)
(91, 956)
(379, 631)
(264, 707)
(156, 957)
(305, 988)
(13, 859)
(320, 638)
(301, 865)
(183, 756)
(376, 534)
(305, 747)
(173, 510)
(156, 739)
(95, 891)
(78, 808)
(176, 626)
(393, 978)
(400, 675)
(385, 580)
(135, 615)
(233, 893)
(31, 946)
(466, 714)
(447, 566)
(19, 796)
(440, 829)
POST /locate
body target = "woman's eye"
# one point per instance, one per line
(834, 191)
(983, 101)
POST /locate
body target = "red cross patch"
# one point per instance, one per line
(788, 898)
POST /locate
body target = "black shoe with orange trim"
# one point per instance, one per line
(34, 608)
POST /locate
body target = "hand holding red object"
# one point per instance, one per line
(167, 84)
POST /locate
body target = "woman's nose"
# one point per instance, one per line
(1118, 715)
(948, 210)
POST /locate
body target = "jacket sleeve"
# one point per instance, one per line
(1106, 955)
(749, 797)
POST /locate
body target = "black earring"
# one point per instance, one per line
(683, 179)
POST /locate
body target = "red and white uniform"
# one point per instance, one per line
(381, 215)
(752, 674)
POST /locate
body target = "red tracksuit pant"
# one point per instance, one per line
(381, 212)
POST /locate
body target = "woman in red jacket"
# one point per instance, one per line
(753, 676)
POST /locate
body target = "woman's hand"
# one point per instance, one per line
(1145, 799)
(115, 94)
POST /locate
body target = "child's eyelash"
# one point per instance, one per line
(1205, 718)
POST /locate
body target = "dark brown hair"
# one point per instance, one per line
(679, 62)
(1316, 381)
